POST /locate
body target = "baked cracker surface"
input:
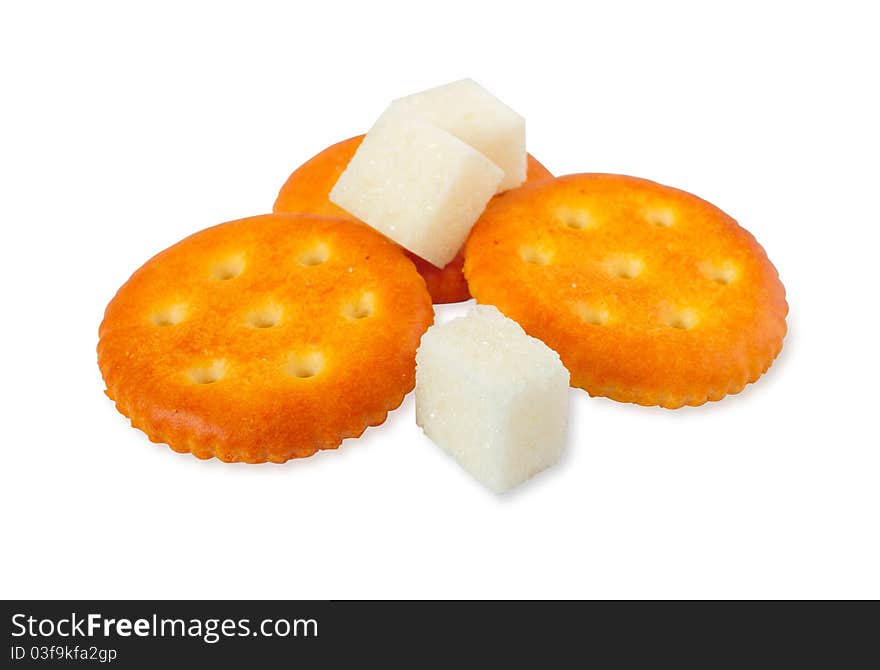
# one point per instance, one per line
(650, 295)
(265, 339)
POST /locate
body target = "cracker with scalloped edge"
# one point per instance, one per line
(649, 294)
(266, 338)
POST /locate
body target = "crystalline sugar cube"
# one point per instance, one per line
(475, 116)
(418, 185)
(492, 397)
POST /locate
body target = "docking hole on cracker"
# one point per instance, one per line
(492, 397)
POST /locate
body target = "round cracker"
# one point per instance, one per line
(649, 294)
(307, 190)
(265, 339)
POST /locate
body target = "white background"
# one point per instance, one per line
(124, 130)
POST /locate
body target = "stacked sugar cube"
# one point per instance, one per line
(472, 114)
(428, 166)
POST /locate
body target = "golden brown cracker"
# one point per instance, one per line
(265, 339)
(307, 190)
(649, 294)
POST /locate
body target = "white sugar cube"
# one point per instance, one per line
(418, 185)
(493, 397)
(475, 116)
